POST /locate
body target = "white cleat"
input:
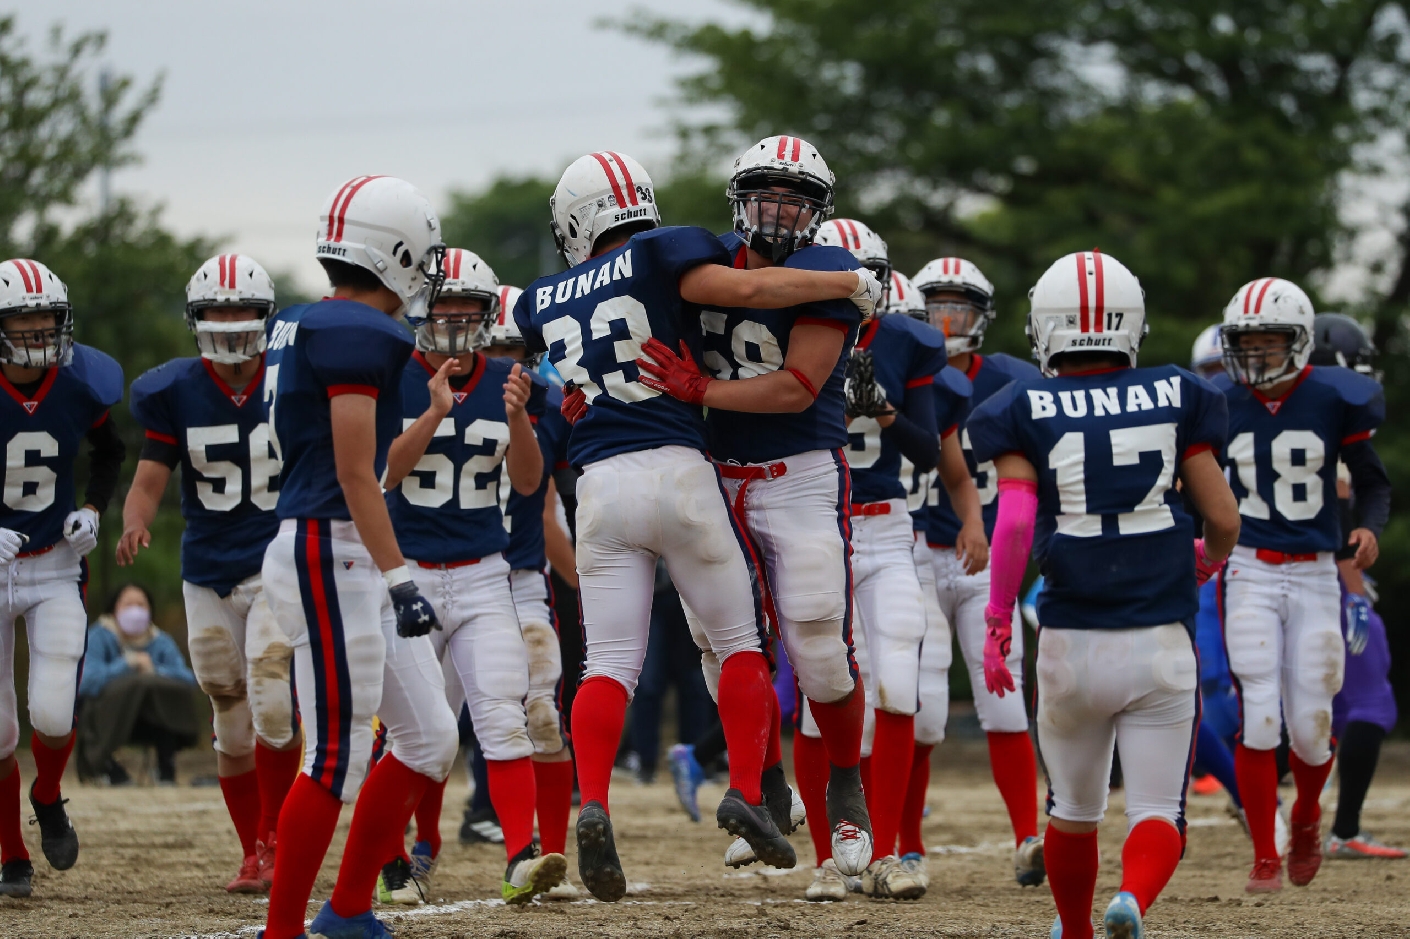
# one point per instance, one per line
(851, 848)
(1282, 835)
(563, 890)
(827, 885)
(797, 813)
(919, 867)
(887, 879)
(739, 854)
(1028, 867)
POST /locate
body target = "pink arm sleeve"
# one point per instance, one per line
(1013, 537)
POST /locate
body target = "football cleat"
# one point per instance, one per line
(265, 855)
(529, 875)
(851, 823)
(248, 879)
(1206, 786)
(1123, 917)
(689, 775)
(1267, 877)
(599, 868)
(739, 853)
(1362, 845)
(827, 884)
(16, 878)
(56, 834)
(1282, 835)
(564, 889)
(1305, 855)
(1028, 867)
(329, 925)
(396, 885)
(423, 865)
(481, 827)
(916, 863)
(888, 879)
(755, 824)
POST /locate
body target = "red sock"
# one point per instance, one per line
(1257, 773)
(773, 753)
(48, 768)
(913, 809)
(1016, 774)
(553, 784)
(305, 830)
(384, 806)
(840, 724)
(277, 770)
(865, 765)
(1148, 860)
(747, 715)
(890, 774)
(428, 815)
(242, 799)
(1072, 864)
(512, 792)
(12, 846)
(599, 711)
(810, 771)
(1310, 780)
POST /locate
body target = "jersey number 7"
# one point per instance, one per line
(1069, 459)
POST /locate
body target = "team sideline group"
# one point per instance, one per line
(371, 513)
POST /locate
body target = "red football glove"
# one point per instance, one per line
(998, 641)
(1204, 567)
(574, 406)
(668, 373)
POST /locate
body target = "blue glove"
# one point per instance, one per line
(415, 617)
(1358, 623)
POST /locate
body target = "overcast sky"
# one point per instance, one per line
(268, 105)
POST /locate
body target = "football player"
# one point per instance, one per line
(1289, 424)
(777, 434)
(57, 395)
(465, 422)
(647, 489)
(207, 414)
(959, 301)
(1089, 455)
(334, 576)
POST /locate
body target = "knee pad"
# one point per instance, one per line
(931, 720)
(219, 666)
(1319, 663)
(502, 728)
(545, 724)
(819, 659)
(234, 728)
(432, 752)
(1310, 735)
(545, 658)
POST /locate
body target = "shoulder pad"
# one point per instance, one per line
(816, 257)
(955, 381)
(100, 372)
(1015, 368)
(157, 380)
(731, 241)
(1353, 387)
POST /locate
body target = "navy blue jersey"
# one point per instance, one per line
(742, 343)
(1282, 455)
(447, 507)
(42, 437)
(523, 515)
(1112, 539)
(229, 473)
(988, 373)
(594, 319)
(907, 354)
(318, 351)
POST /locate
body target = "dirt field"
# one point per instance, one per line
(154, 861)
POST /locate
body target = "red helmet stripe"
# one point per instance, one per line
(852, 227)
(622, 164)
(896, 286)
(1086, 312)
(225, 264)
(347, 201)
(333, 210)
(797, 149)
(1258, 304)
(782, 147)
(24, 275)
(38, 277)
(611, 178)
(503, 305)
(1101, 293)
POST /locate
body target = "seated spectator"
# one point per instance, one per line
(136, 689)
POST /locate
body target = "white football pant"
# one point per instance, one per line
(43, 589)
(1136, 687)
(532, 601)
(331, 601)
(1282, 629)
(890, 608)
(962, 599)
(936, 653)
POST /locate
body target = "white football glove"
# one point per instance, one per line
(81, 530)
(10, 544)
(868, 293)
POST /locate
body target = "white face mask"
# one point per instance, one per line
(134, 620)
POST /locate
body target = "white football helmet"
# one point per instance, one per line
(387, 226)
(504, 331)
(1207, 354)
(1086, 302)
(229, 280)
(452, 332)
(959, 302)
(1267, 305)
(29, 287)
(597, 193)
(866, 245)
(903, 297)
(769, 221)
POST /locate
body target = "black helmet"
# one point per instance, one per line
(1340, 340)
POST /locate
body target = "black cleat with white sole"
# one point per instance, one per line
(598, 864)
(56, 834)
(755, 824)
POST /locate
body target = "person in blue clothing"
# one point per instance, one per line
(136, 689)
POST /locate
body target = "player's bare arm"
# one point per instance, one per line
(970, 545)
(769, 288)
(411, 445)
(558, 547)
(524, 459)
(1204, 480)
(140, 509)
(354, 419)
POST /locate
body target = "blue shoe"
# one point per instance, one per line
(329, 925)
(1123, 918)
(259, 934)
(1056, 931)
(689, 776)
